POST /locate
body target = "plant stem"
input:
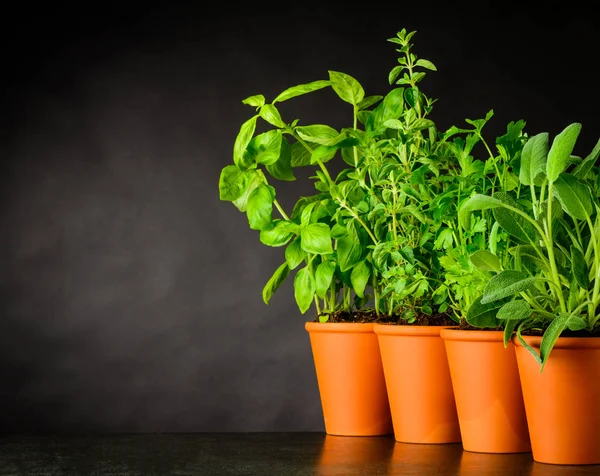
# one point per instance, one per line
(551, 257)
(354, 125)
(280, 210)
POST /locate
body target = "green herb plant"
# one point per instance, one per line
(553, 284)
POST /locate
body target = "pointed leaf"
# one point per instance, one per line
(426, 64)
(349, 252)
(574, 196)
(513, 223)
(483, 315)
(294, 254)
(301, 89)
(275, 282)
(475, 202)
(276, 234)
(551, 335)
(260, 207)
(300, 155)
(515, 310)
(579, 267)
(233, 182)
(505, 284)
(368, 102)
(360, 277)
(256, 100)
(243, 139)
(265, 148)
(533, 158)
(346, 87)
(390, 108)
(270, 114)
(485, 260)
(583, 169)
(304, 289)
(316, 238)
(324, 277)
(560, 152)
(320, 134)
(282, 168)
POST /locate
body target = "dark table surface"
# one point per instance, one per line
(269, 454)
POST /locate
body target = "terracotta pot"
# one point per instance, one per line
(561, 402)
(489, 401)
(418, 384)
(350, 378)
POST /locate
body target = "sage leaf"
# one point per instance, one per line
(509, 328)
(275, 282)
(515, 310)
(485, 260)
(316, 239)
(513, 223)
(324, 277)
(473, 203)
(551, 335)
(579, 267)
(533, 158)
(301, 89)
(574, 196)
(360, 277)
(505, 284)
(583, 169)
(560, 152)
(482, 315)
(304, 289)
(346, 87)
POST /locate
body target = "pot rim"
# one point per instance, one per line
(339, 327)
(562, 342)
(471, 335)
(408, 330)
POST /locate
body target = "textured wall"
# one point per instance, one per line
(130, 296)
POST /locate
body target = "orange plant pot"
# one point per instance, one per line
(350, 378)
(487, 389)
(418, 384)
(561, 402)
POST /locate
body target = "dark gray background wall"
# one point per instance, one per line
(130, 296)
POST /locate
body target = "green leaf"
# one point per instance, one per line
(560, 152)
(574, 196)
(475, 202)
(393, 124)
(509, 328)
(421, 124)
(282, 169)
(426, 64)
(232, 182)
(320, 134)
(349, 252)
(324, 277)
(260, 207)
(346, 87)
(275, 282)
(324, 153)
(493, 239)
(360, 277)
(304, 289)
(513, 223)
(270, 114)
(390, 108)
(412, 96)
(368, 102)
(515, 310)
(294, 254)
(254, 180)
(583, 169)
(533, 158)
(316, 239)
(301, 89)
(505, 284)
(257, 100)
(300, 155)
(485, 260)
(579, 267)
(482, 315)
(277, 233)
(551, 335)
(265, 148)
(394, 73)
(576, 323)
(243, 139)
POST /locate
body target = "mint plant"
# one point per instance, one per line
(553, 285)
